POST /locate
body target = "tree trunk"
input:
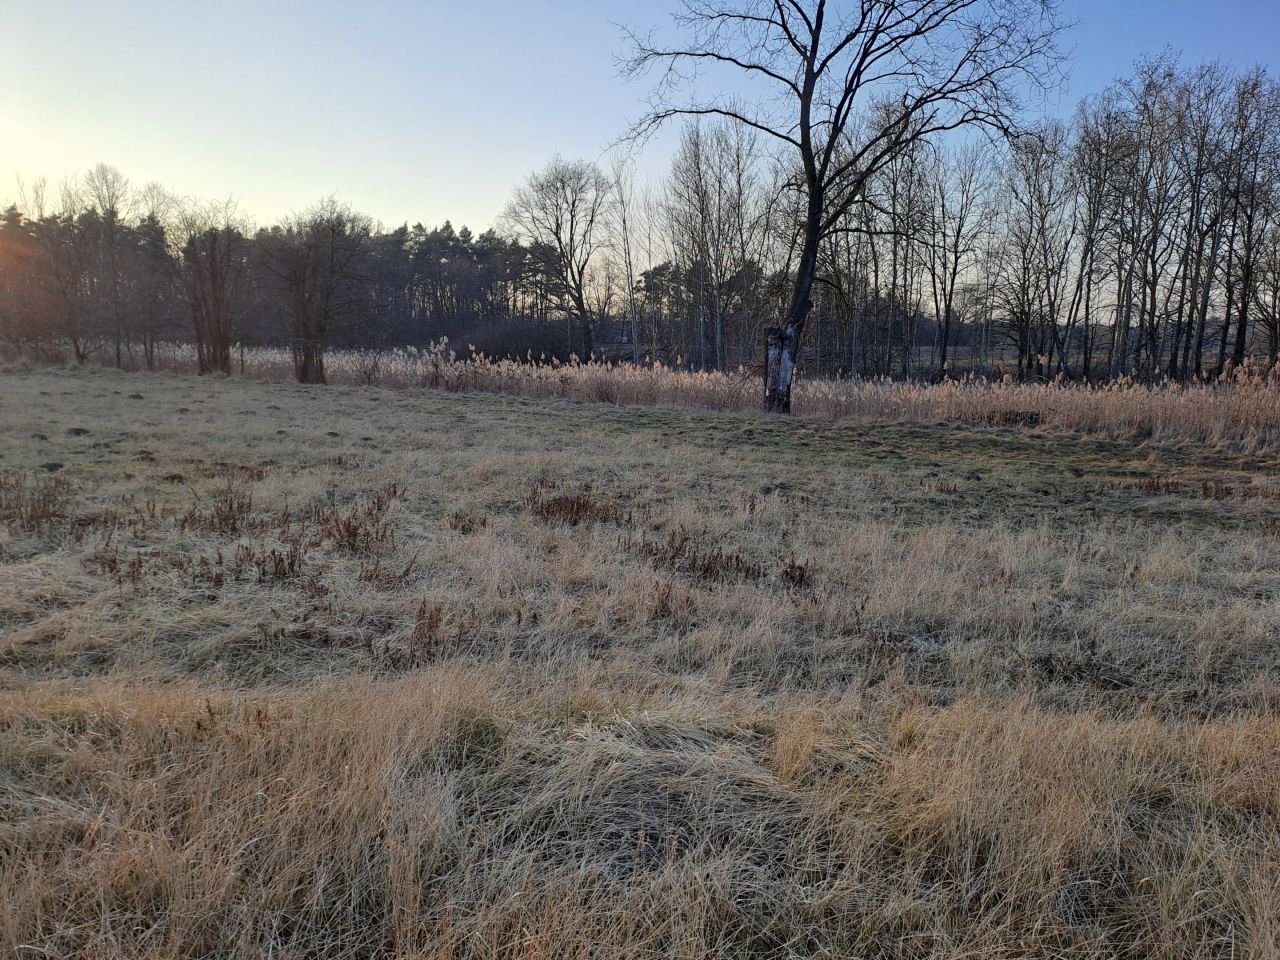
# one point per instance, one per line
(782, 341)
(635, 328)
(1242, 318)
(780, 365)
(308, 361)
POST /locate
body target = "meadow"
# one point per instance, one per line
(381, 670)
(1238, 409)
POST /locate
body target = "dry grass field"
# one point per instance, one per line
(1238, 410)
(354, 672)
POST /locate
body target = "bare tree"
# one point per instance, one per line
(29, 306)
(109, 200)
(66, 277)
(956, 220)
(1094, 158)
(713, 220)
(1258, 114)
(212, 246)
(316, 258)
(624, 227)
(1267, 298)
(908, 69)
(561, 211)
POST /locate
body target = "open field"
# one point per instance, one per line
(1239, 410)
(348, 672)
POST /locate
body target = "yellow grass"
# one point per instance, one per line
(354, 672)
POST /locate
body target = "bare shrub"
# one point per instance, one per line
(28, 505)
(467, 523)
(363, 526)
(228, 512)
(546, 501)
(368, 365)
(689, 553)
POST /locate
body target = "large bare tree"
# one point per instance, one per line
(562, 212)
(843, 87)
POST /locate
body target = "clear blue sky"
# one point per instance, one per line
(417, 111)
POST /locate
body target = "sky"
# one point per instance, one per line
(411, 111)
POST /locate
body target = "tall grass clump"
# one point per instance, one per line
(446, 815)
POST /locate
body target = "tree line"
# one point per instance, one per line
(111, 273)
(1139, 239)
